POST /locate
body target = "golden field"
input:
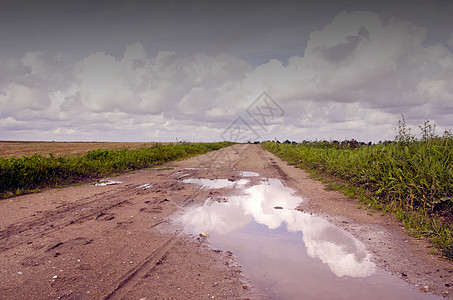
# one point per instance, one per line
(27, 148)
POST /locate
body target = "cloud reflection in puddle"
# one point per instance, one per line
(216, 183)
(344, 255)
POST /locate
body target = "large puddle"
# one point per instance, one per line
(286, 253)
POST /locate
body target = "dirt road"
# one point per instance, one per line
(116, 241)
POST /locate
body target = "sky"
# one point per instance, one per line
(223, 70)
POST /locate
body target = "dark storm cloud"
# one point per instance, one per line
(255, 30)
(237, 27)
(341, 51)
(10, 68)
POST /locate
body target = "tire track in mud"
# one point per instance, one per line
(130, 278)
(157, 257)
(95, 207)
(279, 170)
(63, 216)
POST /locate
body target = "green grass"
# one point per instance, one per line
(31, 173)
(412, 178)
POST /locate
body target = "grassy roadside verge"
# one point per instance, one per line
(411, 178)
(31, 173)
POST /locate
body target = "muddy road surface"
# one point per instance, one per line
(123, 238)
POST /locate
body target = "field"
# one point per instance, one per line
(18, 148)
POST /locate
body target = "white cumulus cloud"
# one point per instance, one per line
(353, 79)
(356, 66)
(169, 81)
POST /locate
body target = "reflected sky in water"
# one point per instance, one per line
(344, 255)
(288, 253)
(216, 183)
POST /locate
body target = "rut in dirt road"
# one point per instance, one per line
(157, 257)
(45, 222)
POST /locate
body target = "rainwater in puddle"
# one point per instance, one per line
(216, 183)
(106, 182)
(289, 254)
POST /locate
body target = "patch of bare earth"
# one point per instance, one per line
(18, 148)
(116, 241)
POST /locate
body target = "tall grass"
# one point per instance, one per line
(413, 177)
(28, 173)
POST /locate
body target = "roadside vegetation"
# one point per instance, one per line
(410, 177)
(31, 173)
